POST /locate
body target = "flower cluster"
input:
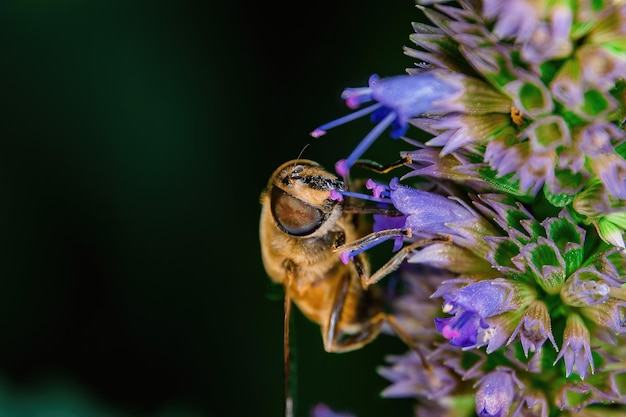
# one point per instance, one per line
(517, 304)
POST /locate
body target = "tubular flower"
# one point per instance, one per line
(508, 266)
(534, 328)
(606, 214)
(411, 376)
(421, 214)
(468, 327)
(576, 351)
(398, 99)
(495, 394)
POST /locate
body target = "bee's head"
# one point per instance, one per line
(300, 198)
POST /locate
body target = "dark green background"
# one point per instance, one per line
(136, 139)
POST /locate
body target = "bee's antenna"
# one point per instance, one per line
(300, 154)
(302, 151)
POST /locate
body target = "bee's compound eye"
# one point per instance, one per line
(295, 216)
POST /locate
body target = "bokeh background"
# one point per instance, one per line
(136, 139)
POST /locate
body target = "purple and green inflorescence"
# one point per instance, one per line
(518, 304)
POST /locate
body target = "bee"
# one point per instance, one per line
(301, 228)
(302, 231)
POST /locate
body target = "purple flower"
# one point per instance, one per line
(598, 141)
(608, 66)
(609, 314)
(423, 214)
(452, 258)
(398, 99)
(470, 306)
(586, 287)
(410, 377)
(535, 402)
(410, 302)
(515, 19)
(535, 171)
(495, 394)
(550, 39)
(611, 170)
(428, 213)
(576, 349)
(463, 328)
(534, 328)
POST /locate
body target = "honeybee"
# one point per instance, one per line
(301, 226)
(301, 230)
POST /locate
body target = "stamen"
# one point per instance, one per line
(368, 140)
(363, 197)
(336, 195)
(354, 97)
(341, 168)
(349, 255)
(367, 242)
(377, 189)
(321, 131)
(345, 257)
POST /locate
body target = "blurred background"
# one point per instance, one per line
(136, 139)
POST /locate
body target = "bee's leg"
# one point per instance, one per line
(336, 338)
(382, 169)
(394, 262)
(371, 240)
(289, 403)
(330, 332)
